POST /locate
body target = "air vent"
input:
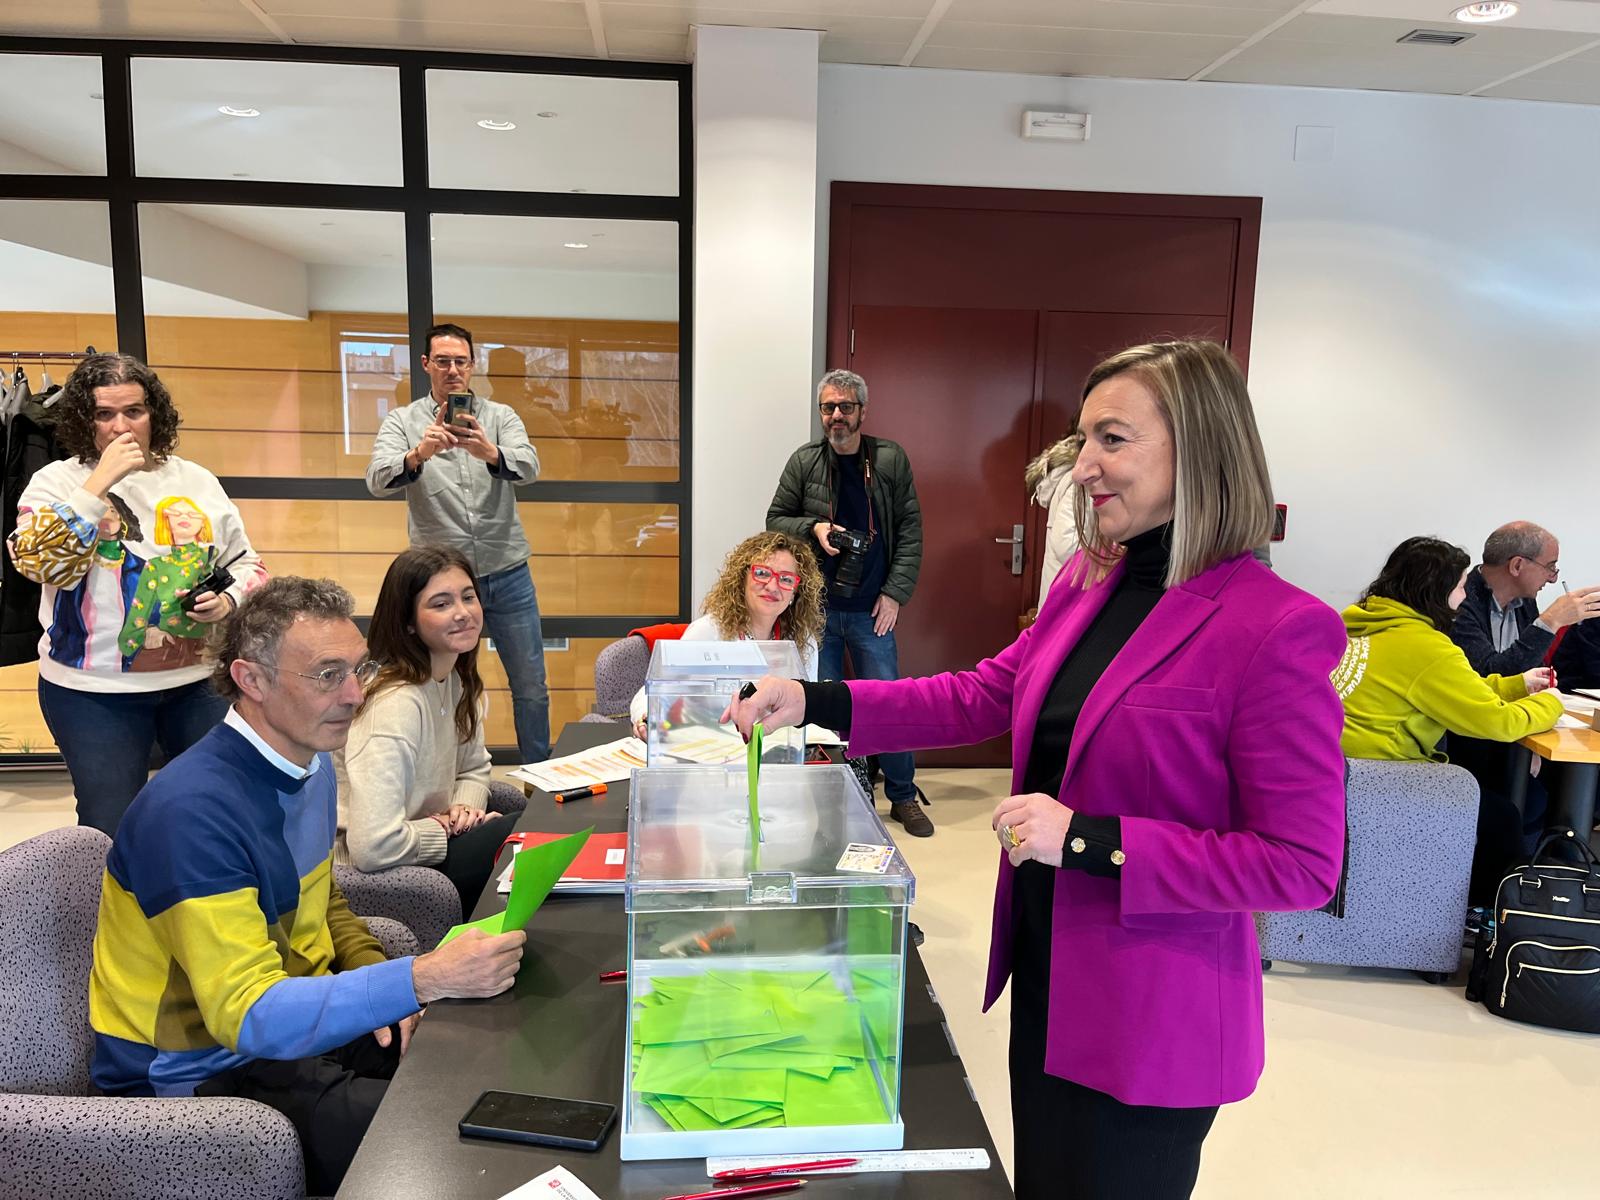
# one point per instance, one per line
(1435, 37)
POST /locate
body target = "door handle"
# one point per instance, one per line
(1015, 542)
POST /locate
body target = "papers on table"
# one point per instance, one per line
(816, 735)
(1568, 721)
(1578, 702)
(541, 867)
(708, 747)
(599, 867)
(610, 763)
(557, 1183)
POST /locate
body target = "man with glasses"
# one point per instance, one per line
(1499, 624)
(460, 471)
(226, 961)
(854, 498)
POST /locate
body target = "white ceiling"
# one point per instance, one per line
(1549, 51)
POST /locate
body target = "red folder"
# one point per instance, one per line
(591, 870)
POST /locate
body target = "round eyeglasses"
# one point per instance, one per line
(331, 679)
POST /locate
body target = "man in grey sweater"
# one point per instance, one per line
(460, 479)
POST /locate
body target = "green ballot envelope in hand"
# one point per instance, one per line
(537, 869)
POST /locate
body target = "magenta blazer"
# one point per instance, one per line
(1214, 735)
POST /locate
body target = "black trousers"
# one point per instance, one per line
(1070, 1142)
(330, 1100)
(469, 858)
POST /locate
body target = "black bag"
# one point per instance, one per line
(1543, 964)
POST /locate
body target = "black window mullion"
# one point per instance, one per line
(419, 218)
(127, 267)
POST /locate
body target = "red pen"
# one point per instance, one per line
(819, 1164)
(753, 1189)
(613, 976)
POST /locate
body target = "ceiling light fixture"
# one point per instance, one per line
(548, 115)
(1482, 14)
(497, 126)
(229, 111)
(576, 245)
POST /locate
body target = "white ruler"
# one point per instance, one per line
(866, 1160)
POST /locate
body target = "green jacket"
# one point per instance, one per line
(1405, 684)
(805, 491)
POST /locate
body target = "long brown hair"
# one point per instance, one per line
(802, 622)
(392, 639)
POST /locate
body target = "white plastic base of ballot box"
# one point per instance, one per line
(708, 1143)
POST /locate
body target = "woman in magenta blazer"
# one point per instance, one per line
(1175, 742)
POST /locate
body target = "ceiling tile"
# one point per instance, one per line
(647, 46)
(753, 9)
(661, 19)
(1238, 19)
(552, 13)
(1533, 87)
(1032, 38)
(1532, 45)
(1354, 74)
(1047, 63)
(182, 19)
(440, 35)
(845, 50)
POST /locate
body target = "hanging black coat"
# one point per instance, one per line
(30, 443)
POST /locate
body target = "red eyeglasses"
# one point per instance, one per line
(787, 580)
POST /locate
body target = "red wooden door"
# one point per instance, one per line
(955, 387)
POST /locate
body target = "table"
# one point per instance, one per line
(560, 1032)
(1578, 750)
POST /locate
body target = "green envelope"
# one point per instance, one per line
(538, 869)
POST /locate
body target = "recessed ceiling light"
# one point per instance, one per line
(548, 115)
(576, 245)
(1482, 14)
(229, 111)
(497, 126)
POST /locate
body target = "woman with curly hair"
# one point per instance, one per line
(119, 534)
(770, 589)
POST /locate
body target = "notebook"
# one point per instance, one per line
(599, 868)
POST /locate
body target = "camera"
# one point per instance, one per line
(852, 545)
(217, 579)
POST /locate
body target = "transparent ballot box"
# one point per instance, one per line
(687, 689)
(766, 977)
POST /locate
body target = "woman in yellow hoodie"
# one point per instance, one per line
(1405, 684)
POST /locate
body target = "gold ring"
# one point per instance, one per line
(1010, 836)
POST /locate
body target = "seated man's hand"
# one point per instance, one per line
(471, 966)
(406, 1025)
(1572, 607)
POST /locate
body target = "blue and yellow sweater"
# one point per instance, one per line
(221, 928)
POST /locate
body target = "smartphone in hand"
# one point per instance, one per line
(457, 405)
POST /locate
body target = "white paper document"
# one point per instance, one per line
(1578, 702)
(816, 735)
(610, 763)
(557, 1183)
(1568, 721)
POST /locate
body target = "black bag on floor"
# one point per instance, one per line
(1543, 964)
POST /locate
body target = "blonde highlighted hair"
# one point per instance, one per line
(801, 622)
(163, 534)
(1222, 493)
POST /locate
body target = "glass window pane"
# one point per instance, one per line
(291, 121)
(280, 331)
(55, 281)
(575, 322)
(53, 120)
(552, 133)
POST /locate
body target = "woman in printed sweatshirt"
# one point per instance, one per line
(1405, 684)
(414, 775)
(120, 533)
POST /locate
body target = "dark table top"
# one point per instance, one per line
(560, 1032)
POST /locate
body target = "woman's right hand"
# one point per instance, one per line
(776, 704)
(121, 458)
(1539, 679)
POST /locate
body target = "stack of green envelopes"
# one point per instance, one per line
(745, 1049)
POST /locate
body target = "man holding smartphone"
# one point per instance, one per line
(459, 459)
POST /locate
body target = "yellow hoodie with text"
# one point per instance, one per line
(1405, 684)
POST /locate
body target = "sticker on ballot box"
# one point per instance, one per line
(860, 856)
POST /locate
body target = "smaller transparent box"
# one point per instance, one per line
(687, 689)
(766, 975)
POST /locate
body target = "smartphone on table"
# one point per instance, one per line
(456, 406)
(539, 1120)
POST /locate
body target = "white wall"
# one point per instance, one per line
(1426, 346)
(755, 97)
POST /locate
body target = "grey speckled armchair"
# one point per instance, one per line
(56, 1139)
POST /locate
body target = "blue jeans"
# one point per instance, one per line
(511, 618)
(871, 657)
(106, 739)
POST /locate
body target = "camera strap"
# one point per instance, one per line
(866, 483)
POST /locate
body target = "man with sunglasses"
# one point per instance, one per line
(226, 961)
(1499, 625)
(459, 471)
(853, 497)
